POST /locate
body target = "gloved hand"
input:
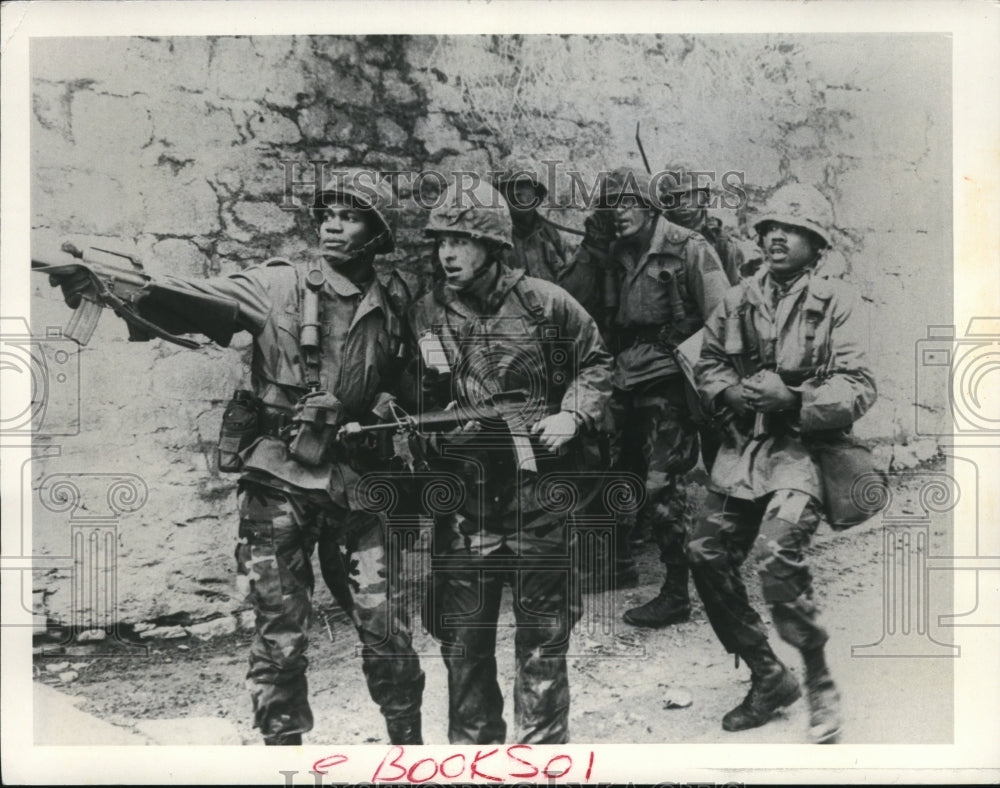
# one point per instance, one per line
(76, 285)
(599, 230)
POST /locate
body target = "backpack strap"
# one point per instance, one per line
(817, 302)
(530, 301)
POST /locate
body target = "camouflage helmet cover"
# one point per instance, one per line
(479, 212)
(517, 169)
(678, 180)
(364, 189)
(799, 206)
(626, 181)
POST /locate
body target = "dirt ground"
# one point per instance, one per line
(625, 682)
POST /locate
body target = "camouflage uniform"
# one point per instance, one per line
(728, 250)
(287, 508)
(506, 533)
(766, 480)
(666, 290)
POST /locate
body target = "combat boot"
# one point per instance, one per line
(671, 606)
(772, 687)
(283, 739)
(404, 730)
(825, 721)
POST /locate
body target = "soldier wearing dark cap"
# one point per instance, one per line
(539, 248)
(686, 203)
(669, 279)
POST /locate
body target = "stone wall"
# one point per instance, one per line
(174, 149)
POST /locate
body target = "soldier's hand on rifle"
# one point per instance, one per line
(557, 430)
(76, 285)
(767, 393)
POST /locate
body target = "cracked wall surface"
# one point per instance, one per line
(173, 148)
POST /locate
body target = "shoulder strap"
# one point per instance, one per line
(310, 289)
(530, 301)
(815, 306)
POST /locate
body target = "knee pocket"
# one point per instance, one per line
(705, 552)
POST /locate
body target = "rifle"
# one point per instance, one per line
(123, 288)
(501, 411)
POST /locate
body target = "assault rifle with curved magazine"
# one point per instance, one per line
(507, 413)
(122, 289)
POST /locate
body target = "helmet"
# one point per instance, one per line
(518, 169)
(366, 190)
(799, 206)
(479, 212)
(680, 181)
(626, 181)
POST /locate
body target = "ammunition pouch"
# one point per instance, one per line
(318, 416)
(241, 426)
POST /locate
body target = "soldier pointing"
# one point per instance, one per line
(327, 348)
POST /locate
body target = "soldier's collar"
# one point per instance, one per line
(340, 284)
(506, 281)
(666, 233)
(665, 237)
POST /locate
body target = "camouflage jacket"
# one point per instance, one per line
(535, 340)
(815, 338)
(542, 254)
(664, 296)
(728, 251)
(362, 355)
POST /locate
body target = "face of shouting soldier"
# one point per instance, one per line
(345, 231)
(463, 260)
(789, 249)
(632, 216)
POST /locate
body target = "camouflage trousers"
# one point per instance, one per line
(463, 612)
(721, 542)
(278, 532)
(656, 439)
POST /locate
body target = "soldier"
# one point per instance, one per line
(539, 249)
(293, 497)
(686, 203)
(669, 281)
(501, 332)
(784, 358)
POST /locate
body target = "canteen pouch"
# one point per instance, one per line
(240, 428)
